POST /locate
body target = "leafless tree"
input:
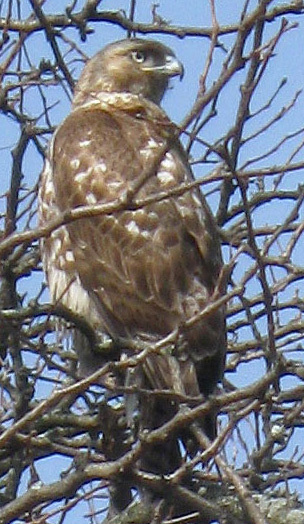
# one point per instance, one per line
(65, 451)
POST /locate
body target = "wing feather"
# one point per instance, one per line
(145, 270)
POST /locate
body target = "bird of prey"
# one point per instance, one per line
(149, 265)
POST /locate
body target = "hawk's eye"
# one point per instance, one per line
(139, 56)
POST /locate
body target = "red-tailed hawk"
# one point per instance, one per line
(142, 272)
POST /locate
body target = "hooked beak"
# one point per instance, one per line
(172, 67)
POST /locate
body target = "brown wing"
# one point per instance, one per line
(58, 257)
(146, 270)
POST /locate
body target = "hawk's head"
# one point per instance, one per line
(141, 67)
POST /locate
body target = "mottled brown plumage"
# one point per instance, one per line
(138, 273)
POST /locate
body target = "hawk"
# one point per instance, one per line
(150, 267)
